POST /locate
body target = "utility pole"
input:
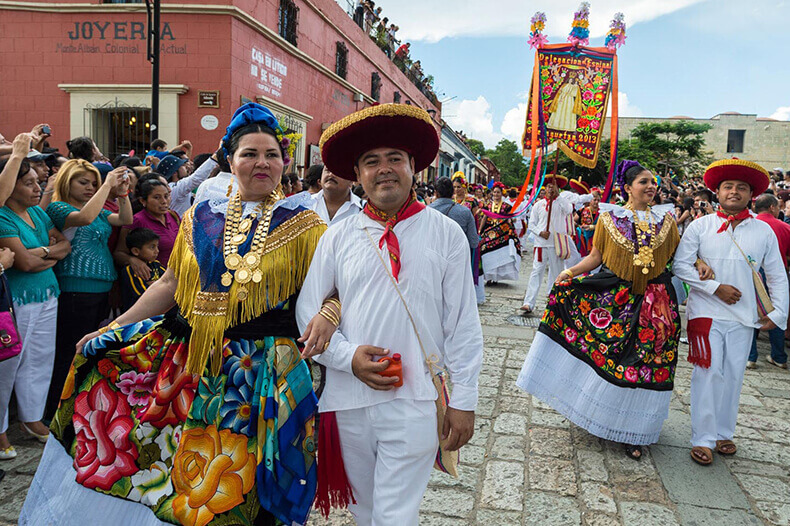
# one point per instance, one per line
(153, 9)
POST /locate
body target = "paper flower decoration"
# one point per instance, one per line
(536, 36)
(581, 26)
(616, 35)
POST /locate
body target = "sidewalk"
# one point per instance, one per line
(527, 465)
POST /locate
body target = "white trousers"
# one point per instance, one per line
(388, 452)
(542, 257)
(715, 391)
(28, 374)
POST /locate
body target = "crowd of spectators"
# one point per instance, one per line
(368, 17)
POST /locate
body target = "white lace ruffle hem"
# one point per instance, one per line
(501, 264)
(574, 389)
(55, 497)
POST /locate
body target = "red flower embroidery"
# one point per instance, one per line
(600, 318)
(108, 369)
(598, 358)
(661, 375)
(656, 312)
(103, 423)
(173, 393)
(621, 297)
(142, 353)
(646, 335)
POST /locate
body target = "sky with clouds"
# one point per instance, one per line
(682, 57)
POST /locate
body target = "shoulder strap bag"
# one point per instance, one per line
(446, 461)
(764, 304)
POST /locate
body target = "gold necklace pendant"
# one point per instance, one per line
(257, 276)
(227, 279)
(238, 239)
(252, 260)
(242, 293)
(232, 261)
(243, 275)
(245, 225)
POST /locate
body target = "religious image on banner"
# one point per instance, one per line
(574, 91)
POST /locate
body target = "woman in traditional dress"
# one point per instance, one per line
(588, 218)
(606, 350)
(206, 415)
(462, 197)
(499, 245)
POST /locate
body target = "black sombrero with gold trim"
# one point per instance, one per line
(399, 126)
(737, 170)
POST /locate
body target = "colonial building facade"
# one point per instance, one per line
(81, 66)
(746, 136)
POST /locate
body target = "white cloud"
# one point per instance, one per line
(624, 107)
(513, 123)
(474, 118)
(782, 114)
(511, 17)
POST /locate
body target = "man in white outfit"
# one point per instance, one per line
(388, 435)
(335, 201)
(549, 216)
(723, 312)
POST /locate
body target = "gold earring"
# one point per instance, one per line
(230, 189)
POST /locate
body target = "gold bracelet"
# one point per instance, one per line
(330, 307)
(569, 272)
(109, 327)
(329, 317)
(336, 303)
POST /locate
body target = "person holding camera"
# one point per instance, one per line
(86, 275)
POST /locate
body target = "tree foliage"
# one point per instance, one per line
(507, 158)
(477, 147)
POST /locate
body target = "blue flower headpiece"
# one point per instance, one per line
(254, 113)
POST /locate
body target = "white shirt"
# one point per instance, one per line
(560, 210)
(181, 191)
(351, 207)
(758, 241)
(435, 282)
(216, 187)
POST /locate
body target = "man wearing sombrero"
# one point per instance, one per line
(401, 271)
(551, 225)
(724, 311)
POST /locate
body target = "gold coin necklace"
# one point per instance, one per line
(244, 268)
(643, 256)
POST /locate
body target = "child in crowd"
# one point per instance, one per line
(144, 244)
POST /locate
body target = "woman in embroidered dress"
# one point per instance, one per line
(605, 353)
(462, 197)
(204, 415)
(588, 218)
(499, 244)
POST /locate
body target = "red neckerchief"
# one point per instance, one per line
(743, 214)
(409, 208)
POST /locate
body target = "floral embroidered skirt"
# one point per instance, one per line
(605, 357)
(194, 450)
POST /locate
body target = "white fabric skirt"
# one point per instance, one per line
(502, 264)
(574, 389)
(56, 498)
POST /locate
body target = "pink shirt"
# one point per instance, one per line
(167, 233)
(782, 231)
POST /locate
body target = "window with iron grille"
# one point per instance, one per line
(396, 97)
(288, 20)
(341, 59)
(375, 86)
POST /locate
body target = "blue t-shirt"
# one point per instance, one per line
(29, 287)
(89, 267)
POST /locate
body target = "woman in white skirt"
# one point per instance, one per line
(499, 244)
(606, 350)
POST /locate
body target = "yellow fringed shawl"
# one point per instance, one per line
(285, 261)
(617, 250)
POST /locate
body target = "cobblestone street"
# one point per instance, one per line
(528, 465)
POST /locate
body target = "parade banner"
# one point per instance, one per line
(574, 84)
